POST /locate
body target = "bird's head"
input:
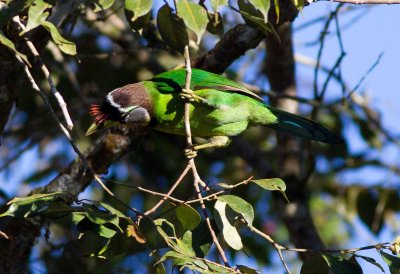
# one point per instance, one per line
(130, 104)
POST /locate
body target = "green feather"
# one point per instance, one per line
(174, 80)
(229, 108)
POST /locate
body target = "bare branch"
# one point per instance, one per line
(168, 195)
(196, 178)
(46, 73)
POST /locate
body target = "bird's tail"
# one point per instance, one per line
(303, 127)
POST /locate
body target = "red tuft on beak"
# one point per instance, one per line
(98, 116)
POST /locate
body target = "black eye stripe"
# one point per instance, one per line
(112, 112)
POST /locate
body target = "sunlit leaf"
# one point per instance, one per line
(98, 216)
(263, 6)
(65, 46)
(299, 4)
(106, 232)
(254, 18)
(225, 223)
(277, 10)
(194, 15)
(36, 15)
(172, 29)
(272, 184)
(135, 9)
(9, 44)
(199, 239)
(240, 206)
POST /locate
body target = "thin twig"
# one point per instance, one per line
(196, 177)
(385, 245)
(176, 184)
(46, 73)
(98, 179)
(168, 196)
(365, 75)
(62, 127)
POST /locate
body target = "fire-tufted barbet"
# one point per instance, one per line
(219, 109)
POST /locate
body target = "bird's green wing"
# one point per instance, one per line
(174, 80)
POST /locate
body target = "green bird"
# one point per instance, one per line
(219, 109)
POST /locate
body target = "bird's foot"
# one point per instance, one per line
(190, 153)
(190, 96)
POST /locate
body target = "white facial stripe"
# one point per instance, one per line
(111, 100)
(129, 109)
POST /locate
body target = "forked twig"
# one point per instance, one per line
(196, 178)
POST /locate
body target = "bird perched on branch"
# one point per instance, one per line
(219, 109)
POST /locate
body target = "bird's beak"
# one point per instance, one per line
(94, 128)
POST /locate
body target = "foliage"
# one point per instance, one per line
(94, 46)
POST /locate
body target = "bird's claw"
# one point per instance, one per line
(190, 153)
(191, 97)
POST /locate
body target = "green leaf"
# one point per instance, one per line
(141, 22)
(299, 4)
(225, 221)
(135, 9)
(194, 16)
(200, 238)
(117, 245)
(77, 217)
(272, 184)
(106, 232)
(315, 265)
(247, 270)
(254, 18)
(113, 210)
(98, 216)
(154, 240)
(367, 202)
(215, 24)
(339, 265)
(215, 4)
(172, 29)
(277, 10)
(101, 5)
(65, 46)
(184, 217)
(160, 269)
(9, 44)
(12, 8)
(240, 206)
(24, 206)
(58, 209)
(91, 243)
(36, 15)
(371, 261)
(263, 6)
(392, 261)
